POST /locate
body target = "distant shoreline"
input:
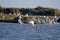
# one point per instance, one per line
(25, 19)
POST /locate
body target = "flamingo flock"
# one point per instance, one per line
(32, 21)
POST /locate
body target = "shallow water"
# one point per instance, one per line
(14, 31)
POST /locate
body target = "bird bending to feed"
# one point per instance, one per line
(31, 22)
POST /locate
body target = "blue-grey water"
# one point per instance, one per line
(15, 31)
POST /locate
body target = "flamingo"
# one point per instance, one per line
(56, 17)
(19, 20)
(47, 19)
(31, 24)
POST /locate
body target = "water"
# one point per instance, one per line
(14, 31)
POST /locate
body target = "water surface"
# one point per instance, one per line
(15, 31)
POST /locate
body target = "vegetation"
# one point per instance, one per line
(11, 14)
(31, 11)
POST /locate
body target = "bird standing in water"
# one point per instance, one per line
(31, 24)
(19, 20)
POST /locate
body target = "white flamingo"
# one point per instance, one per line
(31, 22)
(19, 20)
(47, 20)
(56, 17)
